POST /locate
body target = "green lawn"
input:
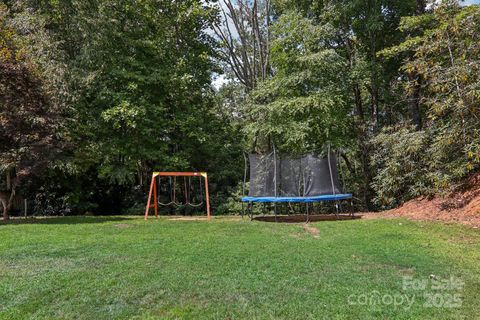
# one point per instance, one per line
(122, 267)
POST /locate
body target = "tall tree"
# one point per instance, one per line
(360, 30)
(243, 29)
(445, 47)
(138, 86)
(29, 120)
(304, 104)
(137, 75)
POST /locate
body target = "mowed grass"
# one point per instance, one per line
(124, 267)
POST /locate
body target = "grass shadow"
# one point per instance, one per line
(303, 218)
(67, 220)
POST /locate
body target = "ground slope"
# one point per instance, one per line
(461, 206)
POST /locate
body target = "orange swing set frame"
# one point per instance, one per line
(153, 189)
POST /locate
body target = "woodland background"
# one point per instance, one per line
(95, 95)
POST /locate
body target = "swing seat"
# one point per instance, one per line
(325, 197)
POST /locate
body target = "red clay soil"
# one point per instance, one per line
(460, 206)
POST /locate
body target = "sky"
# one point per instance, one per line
(468, 2)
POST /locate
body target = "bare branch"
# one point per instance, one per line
(245, 39)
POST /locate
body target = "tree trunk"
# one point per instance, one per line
(375, 108)
(244, 33)
(9, 179)
(362, 136)
(421, 6)
(366, 170)
(348, 164)
(8, 199)
(5, 209)
(414, 104)
(358, 101)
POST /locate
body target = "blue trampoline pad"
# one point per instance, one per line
(326, 197)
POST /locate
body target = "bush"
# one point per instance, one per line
(411, 163)
(229, 203)
(400, 161)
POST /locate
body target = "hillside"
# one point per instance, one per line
(461, 206)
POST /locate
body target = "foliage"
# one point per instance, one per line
(302, 106)
(29, 119)
(445, 57)
(136, 82)
(124, 89)
(401, 162)
(148, 96)
(354, 93)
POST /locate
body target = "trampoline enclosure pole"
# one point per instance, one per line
(244, 181)
(331, 177)
(275, 180)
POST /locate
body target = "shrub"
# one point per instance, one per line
(400, 161)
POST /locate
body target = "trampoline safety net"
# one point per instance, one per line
(276, 176)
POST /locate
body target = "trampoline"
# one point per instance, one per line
(281, 179)
(326, 197)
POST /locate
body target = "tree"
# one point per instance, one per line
(445, 56)
(244, 33)
(29, 121)
(304, 104)
(358, 30)
(137, 84)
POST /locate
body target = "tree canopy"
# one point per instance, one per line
(95, 95)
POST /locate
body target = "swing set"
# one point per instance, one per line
(188, 188)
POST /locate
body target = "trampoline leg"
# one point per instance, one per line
(243, 210)
(275, 211)
(336, 210)
(307, 213)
